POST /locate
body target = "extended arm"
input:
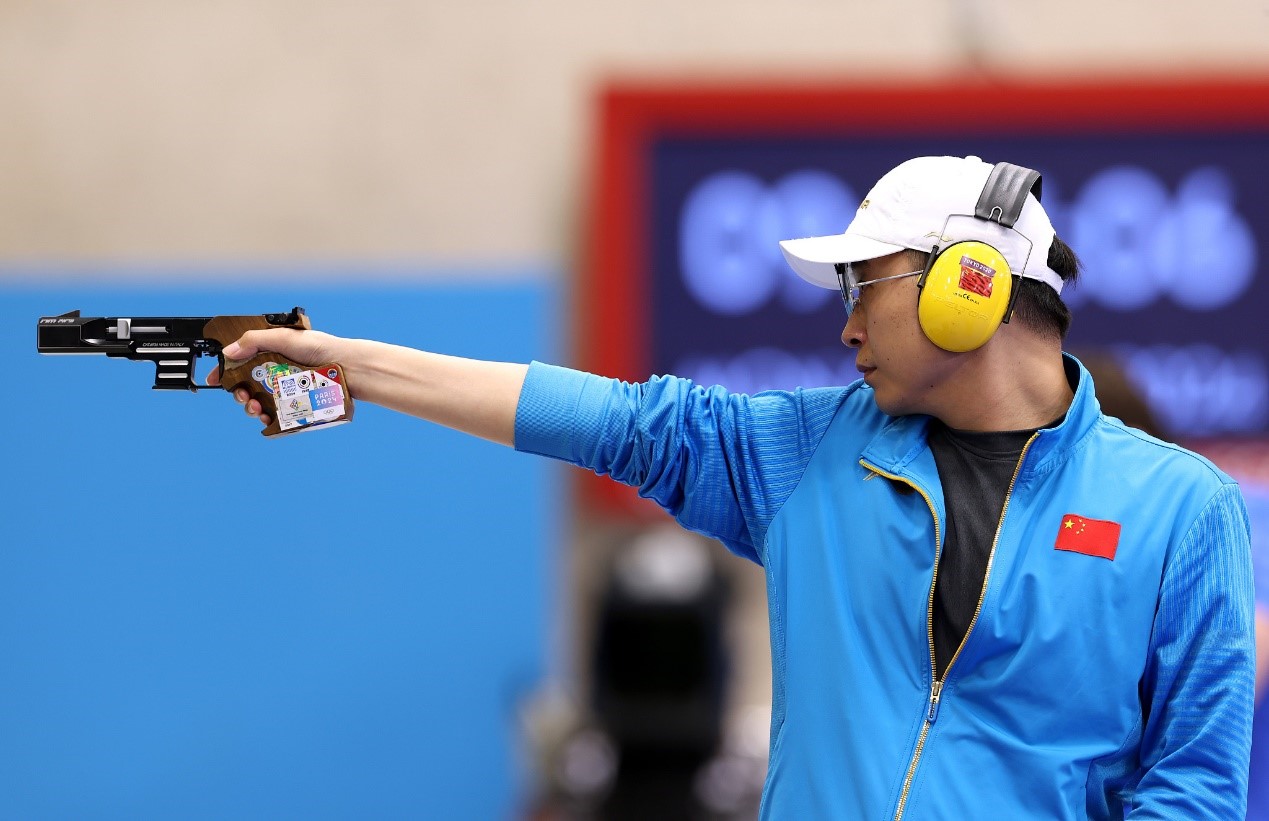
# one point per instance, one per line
(470, 395)
(721, 463)
(1198, 686)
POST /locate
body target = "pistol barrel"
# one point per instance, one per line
(71, 333)
(171, 343)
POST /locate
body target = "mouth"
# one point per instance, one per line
(865, 369)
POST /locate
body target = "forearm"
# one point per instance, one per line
(469, 395)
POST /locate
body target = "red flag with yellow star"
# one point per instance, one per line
(1092, 537)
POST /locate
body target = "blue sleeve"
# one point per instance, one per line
(1197, 688)
(720, 463)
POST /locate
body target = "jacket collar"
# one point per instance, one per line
(902, 440)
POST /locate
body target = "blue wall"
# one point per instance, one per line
(196, 622)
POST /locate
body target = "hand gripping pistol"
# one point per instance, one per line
(296, 397)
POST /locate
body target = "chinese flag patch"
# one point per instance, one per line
(1092, 537)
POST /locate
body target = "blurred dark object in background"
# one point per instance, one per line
(660, 667)
(652, 742)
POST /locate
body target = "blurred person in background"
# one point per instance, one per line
(986, 597)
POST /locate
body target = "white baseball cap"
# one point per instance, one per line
(922, 203)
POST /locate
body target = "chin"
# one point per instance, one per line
(892, 405)
(887, 405)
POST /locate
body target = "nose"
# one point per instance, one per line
(853, 335)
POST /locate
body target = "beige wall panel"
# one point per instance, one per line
(437, 132)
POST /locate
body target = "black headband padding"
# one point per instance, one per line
(1006, 192)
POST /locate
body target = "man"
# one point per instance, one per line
(986, 599)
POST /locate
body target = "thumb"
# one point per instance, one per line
(239, 350)
(253, 342)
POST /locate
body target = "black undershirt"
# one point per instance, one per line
(975, 470)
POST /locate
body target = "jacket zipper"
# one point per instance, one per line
(936, 684)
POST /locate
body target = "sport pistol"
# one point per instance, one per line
(296, 397)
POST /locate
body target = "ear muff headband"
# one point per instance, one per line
(967, 289)
(1005, 192)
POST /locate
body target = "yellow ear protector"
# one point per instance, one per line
(967, 289)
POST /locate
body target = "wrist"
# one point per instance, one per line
(355, 356)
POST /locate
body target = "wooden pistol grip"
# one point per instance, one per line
(257, 374)
(253, 375)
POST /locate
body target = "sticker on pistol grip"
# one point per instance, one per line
(302, 401)
(267, 374)
(274, 372)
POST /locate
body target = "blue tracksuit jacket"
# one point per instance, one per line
(1088, 687)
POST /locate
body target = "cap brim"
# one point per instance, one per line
(813, 258)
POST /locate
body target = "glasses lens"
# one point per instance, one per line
(850, 293)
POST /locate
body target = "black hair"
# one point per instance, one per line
(1036, 304)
